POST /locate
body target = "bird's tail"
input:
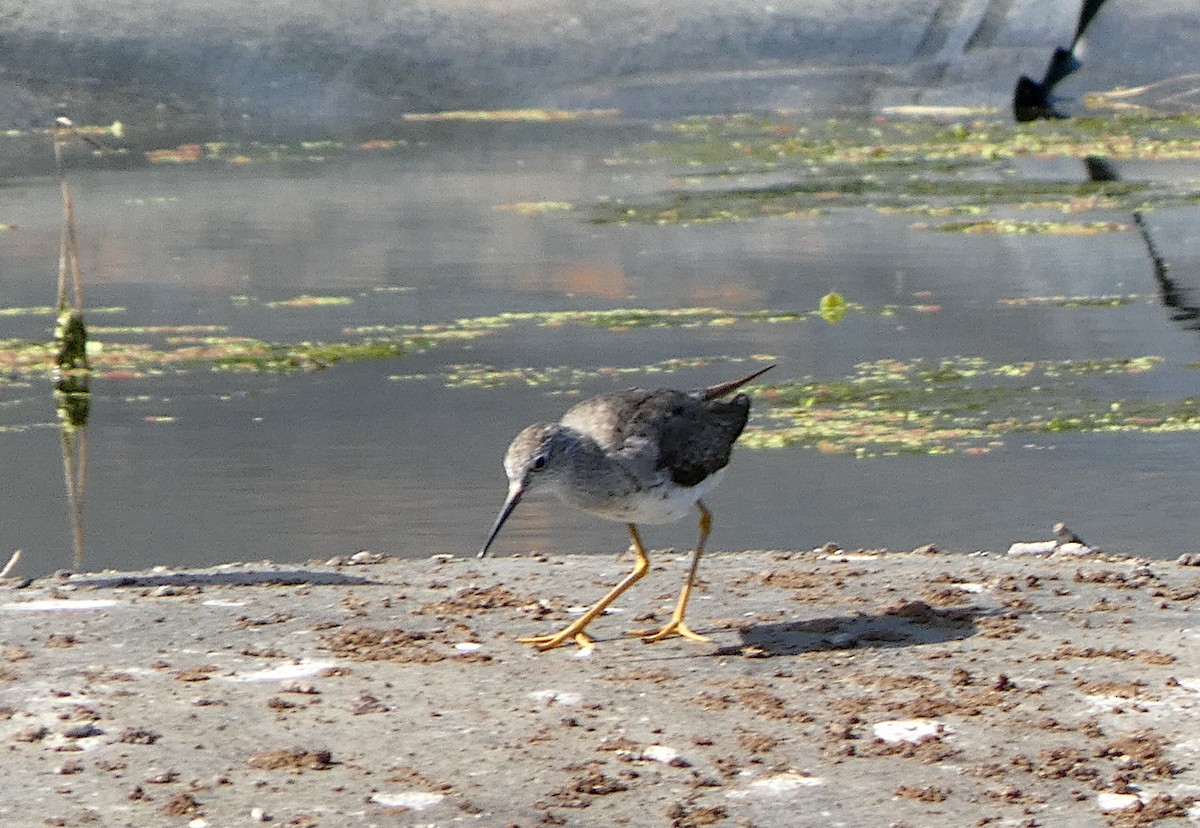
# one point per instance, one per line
(717, 391)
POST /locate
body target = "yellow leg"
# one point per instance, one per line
(575, 630)
(677, 626)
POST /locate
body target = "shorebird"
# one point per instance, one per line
(635, 456)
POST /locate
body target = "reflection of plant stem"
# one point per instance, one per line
(8, 567)
(75, 474)
(72, 391)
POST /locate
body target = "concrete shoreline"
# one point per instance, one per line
(281, 66)
(839, 688)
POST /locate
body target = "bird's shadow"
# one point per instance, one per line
(264, 577)
(911, 624)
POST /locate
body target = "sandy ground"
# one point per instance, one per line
(838, 689)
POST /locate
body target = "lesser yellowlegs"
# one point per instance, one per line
(637, 456)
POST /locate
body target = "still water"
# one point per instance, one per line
(199, 468)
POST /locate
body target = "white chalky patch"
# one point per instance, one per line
(660, 753)
(1116, 801)
(223, 602)
(778, 784)
(907, 730)
(549, 697)
(1021, 548)
(468, 646)
(580, 609)
(284, 671)
(60, 604)
(416, 800)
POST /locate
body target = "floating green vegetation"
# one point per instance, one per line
(820, 195)
(513, 115)
(616, 319)
(899, 164)
(248, 152)
(306, 301)
(259, 152)
(157, 329)
(833, 308)
(1050, 228)
(135, 360)
(313, 355)
(934, 211)
(137, 351)
(535, 208)
(562, 379)
(1104, 301)
(966, 405)
(47, 310)
(836, 141)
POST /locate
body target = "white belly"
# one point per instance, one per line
(662, 503)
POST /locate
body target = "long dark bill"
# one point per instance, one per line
(514, 497)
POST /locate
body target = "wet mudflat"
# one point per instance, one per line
(838, 688)
(307, 351)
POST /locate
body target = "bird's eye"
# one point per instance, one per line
(539, 462)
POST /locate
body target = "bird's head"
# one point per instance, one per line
(533, 462)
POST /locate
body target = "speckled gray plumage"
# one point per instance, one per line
(682, 433)
(634, 456)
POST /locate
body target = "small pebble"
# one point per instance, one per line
(306, 688)
(1116, 802)
(82, 731)
(665, 754)
(1022, 548)
(908, 730)
(415, 800)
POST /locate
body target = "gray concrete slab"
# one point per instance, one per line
(838, 689)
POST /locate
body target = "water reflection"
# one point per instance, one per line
(201, 468)
(73, 401)
(73, 374)
(1170, 292)
(1173, 296)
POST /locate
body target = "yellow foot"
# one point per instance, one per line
(549, 642)
(674, 627)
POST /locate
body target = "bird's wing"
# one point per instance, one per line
(697, 436)
(607, 419)
(667, 430)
